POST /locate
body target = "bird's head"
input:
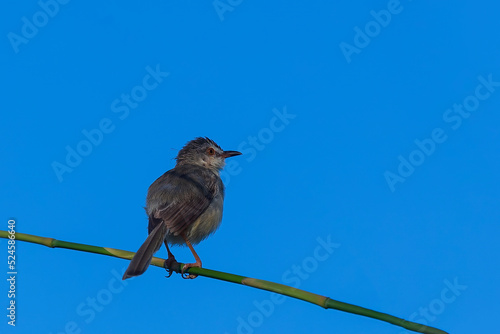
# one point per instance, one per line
(204, 152)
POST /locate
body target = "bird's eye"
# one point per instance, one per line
(210, 151)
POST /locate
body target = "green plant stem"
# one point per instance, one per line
(319, 300)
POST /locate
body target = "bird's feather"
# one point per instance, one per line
(144, 255)
(194, 190)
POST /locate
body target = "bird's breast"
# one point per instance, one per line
(205, 225)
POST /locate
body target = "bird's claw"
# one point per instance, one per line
(188, 276)
(187, 266)
(169, 272)
(169, 263)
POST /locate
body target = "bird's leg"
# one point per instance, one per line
(170, 261)
(189, 265)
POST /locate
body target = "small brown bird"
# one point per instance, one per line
(184, 205)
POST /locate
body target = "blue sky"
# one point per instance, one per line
(370, 133)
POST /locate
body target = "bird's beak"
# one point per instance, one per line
(228, 154)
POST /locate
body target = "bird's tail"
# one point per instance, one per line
(144, 255)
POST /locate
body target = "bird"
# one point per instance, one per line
(184, 205)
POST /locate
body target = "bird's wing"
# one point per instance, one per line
(182, 196)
